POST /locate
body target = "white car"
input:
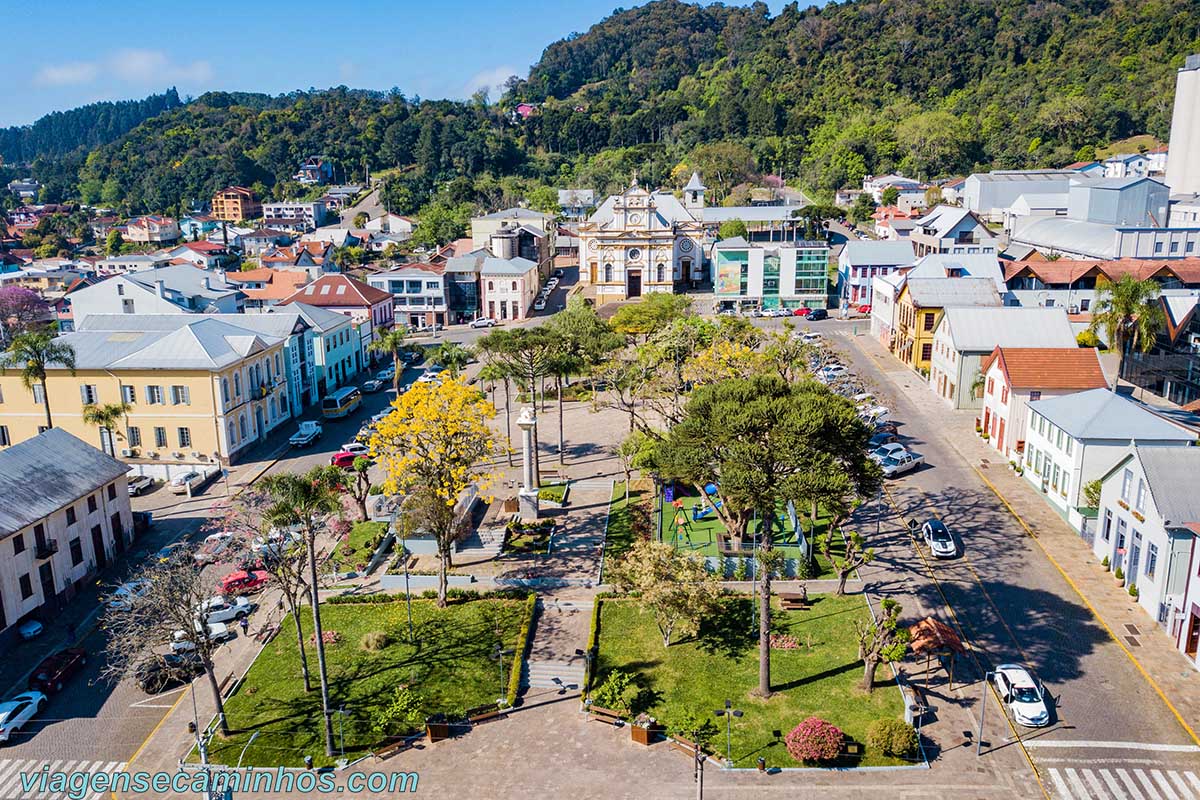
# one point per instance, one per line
(139, 484)
(540, 305)
(386, 375)
(274, 543)
(900, 463)
(875, 414)
(483, 322)
(1025, 698)
(217, 632)
(212, 547)
(938, 539)
(884, 452)
(381, 416)
(808, 337)
(832, 372)
(430, 376)
(16, 712)
(358, 448)
(123, 595)
(223, 609)
(186, 483)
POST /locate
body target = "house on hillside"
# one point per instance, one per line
(965, 336)
(236, 203)
(1014, 376)
(152, 229)
(950, 229)
(265, 287)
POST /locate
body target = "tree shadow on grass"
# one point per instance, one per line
(832, 672)
(729, 631)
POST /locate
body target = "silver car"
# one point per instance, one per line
(16, 712)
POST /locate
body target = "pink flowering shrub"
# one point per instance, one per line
(783, 641)
(328, 637)
(814, 740)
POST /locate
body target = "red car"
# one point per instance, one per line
(57, 669)
(864, 309)
(343, 459)
(803, 312)
(243, 582)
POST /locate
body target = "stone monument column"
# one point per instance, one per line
(528, 494)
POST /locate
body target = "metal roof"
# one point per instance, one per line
(1173, 473)
(981, 330)
(48, 472)
(1068, 235)
(1102, 414)
(949, 292)
(191, 343)
(875, 253)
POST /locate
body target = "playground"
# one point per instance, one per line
(689, 522)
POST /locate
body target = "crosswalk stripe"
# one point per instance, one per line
(1060, 785)
(11, 782)
(1094, 781)
(54, 767)
(1161, 780)
(1112, 784)
(1146, 782)
(1178, 780)
(1193, 780)
(1076, 784)
(1131, 786)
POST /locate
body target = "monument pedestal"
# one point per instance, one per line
(529, 506)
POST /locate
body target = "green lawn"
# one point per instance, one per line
(620, 535)
(359, 546)
(528, 538)
(450, 666)
(699, 674)
(554, 492)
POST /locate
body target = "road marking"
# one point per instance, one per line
(1160, 748)
(1181, 783)
(1076, 783)
(1094, 781)
(1112, 784)
(1161, 780)
(150, 735)
(1132, 788)
(1059, 785)
(1193, 780)
(10, 782)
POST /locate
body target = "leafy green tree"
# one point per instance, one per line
(544, 199)
(304, 502)
(107, 418)
(881, 641)
(360, 219)
(453, 357)
(732, 228)
(863, 208)
(889, 196)
(651, 313)
(1130, 313)
(440, 223)
(672, 585)
(392, 342)
(32, 352)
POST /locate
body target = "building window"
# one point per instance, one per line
(926, 351)
(70, 516)
(1151, 560)
(154, 395)
(160, 437)
(18, 544)
(181, 396)
(242, 425)
(1157, 248)
(1035, 396)
(26, 587)
(1106, 529)
(1070, 445)
(91, 504)
(1053, 470)
(88, 394)
(76, 552)
(991, 386)
(608, 273)
(491, 286)
(927, 322)
(1126, 484)
(135, 436)
(4, 440)
(185, 437)
(128, 394)
(232, 434)
(1059, 439)
(237, 384)
(1003, 394)
(39, 393)
(225, 384)
(112, 491)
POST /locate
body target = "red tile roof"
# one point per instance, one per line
(1064, 270)
(338, 291)
(1048, 367)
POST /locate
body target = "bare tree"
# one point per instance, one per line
(880, 641)
(165, 612)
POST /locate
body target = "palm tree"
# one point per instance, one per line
(107, 418)
(31, 352)
(1129, 312)
(452, 356)
(392, 342)
(306, 500)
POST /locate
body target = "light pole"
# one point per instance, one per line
(499, 653)
(700, 759)
(253, 736)
(982, 712)
(587, 686)
(341, 712)
(729, 713)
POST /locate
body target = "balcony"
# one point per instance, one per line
(43, 550)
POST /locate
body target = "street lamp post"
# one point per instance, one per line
(982, 712)
(499, 653)
(253, 736)
(587, 686)
(729, 713)
(700, 759)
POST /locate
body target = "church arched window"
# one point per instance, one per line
(608, 275)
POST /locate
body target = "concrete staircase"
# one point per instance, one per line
(554, 675)
(482, 545)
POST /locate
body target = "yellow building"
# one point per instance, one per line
(197, 395)
(919, 306)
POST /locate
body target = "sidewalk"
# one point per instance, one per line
(1174, 678)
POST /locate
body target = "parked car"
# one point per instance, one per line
(900, 464)
(275, 543)
(213, 546)
(808, 337)
(803, 312)
(938, 539)
(865, 308)
(875, 413)
(381, 416)
(161, 672)
(30, 629)
(216, 632)
(358, 448)
(187, 483)
(831, 372)
(171, 553)
(140, 484)
(123, 596)
(412, 356)
(818, 314)
(386, 375)
(57, 669)
(483, 322)
(373, 385)
(540, 305)
(431, 376)
(1025, 697)
(885, 426)
(19, 710)
(880, 439)
(243, 581)
(344, 459)
(309, 432)
(886, 451)
(862, 398)
(223, 609)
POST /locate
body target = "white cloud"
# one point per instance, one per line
(490, 79)
(66, 74)
(139, 67)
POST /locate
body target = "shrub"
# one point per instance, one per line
(375, 490)
(1104, 562)
(742, 571)
(1119, 574)
(402, 714)
(814, 740)
(616, 692)
(1133, 590)
(892, 737)
(698, 728)
(328, 637)
(1087, 339)
(374, 641)
(783, 641)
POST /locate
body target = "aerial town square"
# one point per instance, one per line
(783, 400)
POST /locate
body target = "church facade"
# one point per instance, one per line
(641, 241)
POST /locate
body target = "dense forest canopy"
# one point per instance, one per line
(820, 96)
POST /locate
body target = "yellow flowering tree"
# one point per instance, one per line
(431, 448)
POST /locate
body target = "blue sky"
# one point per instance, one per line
(79, 51)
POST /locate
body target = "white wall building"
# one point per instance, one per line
(312, 213)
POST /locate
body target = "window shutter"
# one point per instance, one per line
(149, 394)
(83, 393)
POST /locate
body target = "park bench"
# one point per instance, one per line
(794, 602)
(481, 714)
(851, 748)
(606, 715)
(393, 748)
(920, 704)
(551, 474)
(685, 746)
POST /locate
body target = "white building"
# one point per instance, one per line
(965, 336)
(419, 293)
(989, 193)
(860, 263)
(64, 517)
(1183, 156)
(310, 212)
(1074, 439)
(641, 241)
(877, 185)
(177, 289)
(119, 265)
(1149, 518)
(750, 275)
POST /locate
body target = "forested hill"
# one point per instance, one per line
(89, 126)
(819, 96)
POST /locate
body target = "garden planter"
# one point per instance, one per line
(642, 735)
(437, 731)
